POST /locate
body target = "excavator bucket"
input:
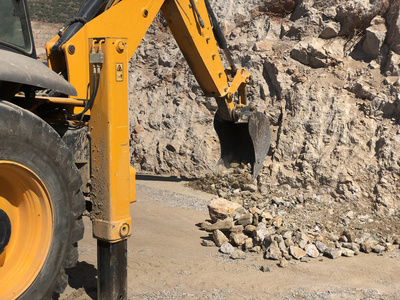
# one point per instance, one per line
(244, 142)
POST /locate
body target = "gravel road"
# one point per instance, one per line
(166, 259)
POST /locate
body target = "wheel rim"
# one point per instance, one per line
(26, 201)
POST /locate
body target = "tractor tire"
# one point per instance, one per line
(40, 193)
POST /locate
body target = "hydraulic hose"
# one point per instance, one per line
(219, 36)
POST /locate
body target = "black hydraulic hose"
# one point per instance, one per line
(87, 12)
(89, 104)
(219, 36)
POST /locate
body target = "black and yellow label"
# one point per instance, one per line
(119, 72)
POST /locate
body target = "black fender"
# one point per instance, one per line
(20, 69)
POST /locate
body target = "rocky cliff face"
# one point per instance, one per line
(326, 74)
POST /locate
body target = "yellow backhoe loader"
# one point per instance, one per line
(64, 139)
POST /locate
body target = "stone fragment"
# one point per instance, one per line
(347, 252)
(249, 187)
(239, 212)
(390, 247)
(331, 237)
(289, 242)
(332, 252)
(277, 222)
(281, 244)
(225, 224)
(305, 259)
(207, 243)
(287, 234)
(330, 30)
(392, 67)
(238, 238)
(249, 229)
(226, 248)
(352, 246)
(219, 238)
(205, 225)
(265, 268)
(283, 263)
(245, 220)
(255, 210)
(379, 248)
(393, 21)
(349, 235)
(368, 245)
(248, 244)
(273, 252)
(312, 250)
(221, 208)
(297, 252)
(358, 14)
(286, 254)
(236, 228)
(280, 80)
(266, 215)
(374, 37)
(267, 241)
(312, 53)
(301, 239)
(256, 249)
(260, 233)
(238, 254)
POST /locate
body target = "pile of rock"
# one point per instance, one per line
(237, 230)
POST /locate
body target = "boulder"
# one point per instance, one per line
(393, 21)
(330, 30)
(311, 53)
(357, 14)
(312, 250)
(392, 67)
(320, 246)
(297, 252)
(333, 252)
(374, 37)
(283, 263)
(226, 248)
(245, 220)
(221, 208)
(238, 254)
(225, 224)
(219, 238)
(273, 252)
(238, 238)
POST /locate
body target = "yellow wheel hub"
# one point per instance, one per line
(26, 201)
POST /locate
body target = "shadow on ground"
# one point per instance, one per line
(83, 275)
(161, 178)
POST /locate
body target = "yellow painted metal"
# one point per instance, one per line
(26, 201)
(127, 19)
(197, 44)
(133, 183)
(109, 130)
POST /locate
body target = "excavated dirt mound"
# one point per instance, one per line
(291, 224)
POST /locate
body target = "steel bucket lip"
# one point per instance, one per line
(245, 142)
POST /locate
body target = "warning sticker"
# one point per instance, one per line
(119, 73)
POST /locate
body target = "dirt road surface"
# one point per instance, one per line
(167, 261)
